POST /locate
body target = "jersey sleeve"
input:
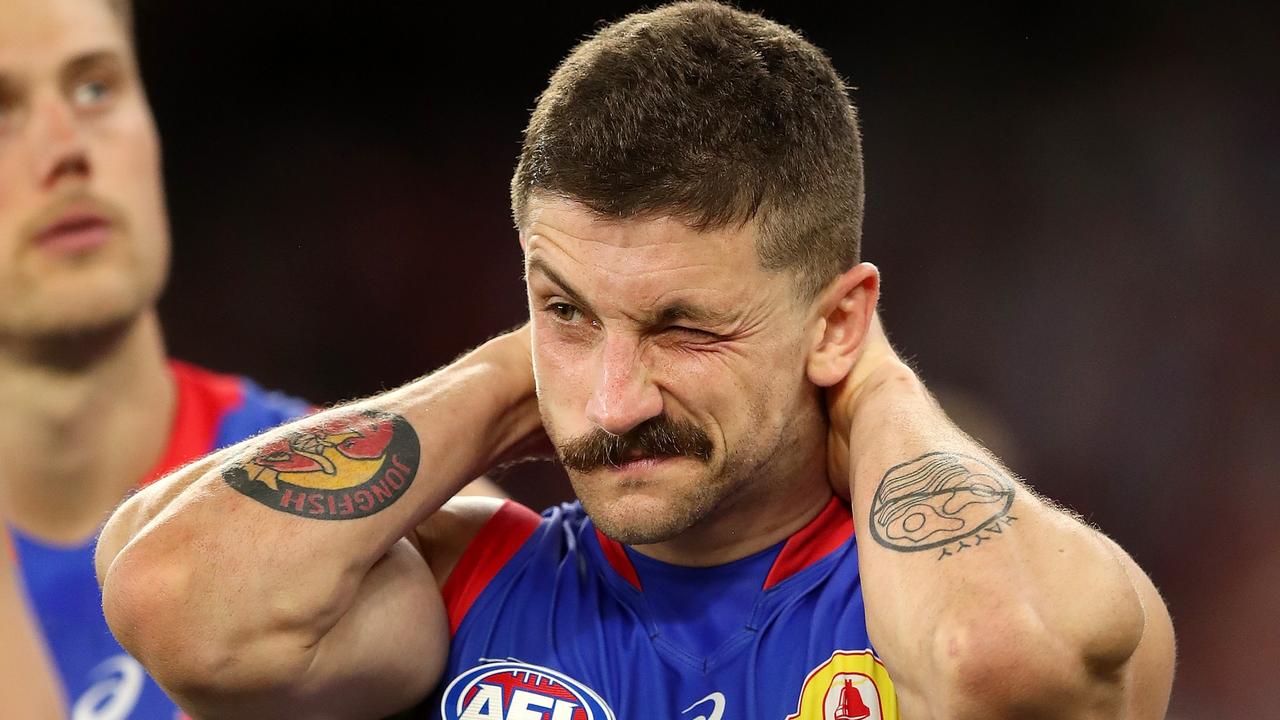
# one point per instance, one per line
(498, 541)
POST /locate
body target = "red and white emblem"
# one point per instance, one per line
(511, 690)
(850, 685)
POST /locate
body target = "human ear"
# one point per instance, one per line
(844, 311)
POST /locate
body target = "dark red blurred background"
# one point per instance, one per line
(1076, 213)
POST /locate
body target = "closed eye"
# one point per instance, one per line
(687, 333)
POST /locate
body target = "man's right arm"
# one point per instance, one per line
(273, 579)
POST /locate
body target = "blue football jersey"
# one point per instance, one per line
(100, 680)
(552, 620)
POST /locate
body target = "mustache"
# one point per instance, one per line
(657, 437)
(59, 207)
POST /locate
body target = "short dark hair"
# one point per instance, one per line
(713, 115)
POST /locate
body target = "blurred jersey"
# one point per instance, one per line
(101, 681)
(553, 620)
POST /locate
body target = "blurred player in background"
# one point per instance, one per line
(776, 519)
(27, 685)
(84, 252)
(91, 408)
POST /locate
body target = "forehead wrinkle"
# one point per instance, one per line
(682, 303)
(619, 265)
(655, 309)
(635, 271)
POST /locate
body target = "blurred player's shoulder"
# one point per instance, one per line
(214, 410)
(234, 398)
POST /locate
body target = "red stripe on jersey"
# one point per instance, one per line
(617, 557)
(826, 532)
(498, 540)
(203, 398)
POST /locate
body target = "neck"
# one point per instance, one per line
(772, 507)
(82, 419)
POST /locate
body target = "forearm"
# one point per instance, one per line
(251, 556)
(976, 589)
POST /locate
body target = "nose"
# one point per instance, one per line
(59, 152)
(623, 396)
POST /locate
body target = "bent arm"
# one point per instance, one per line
(984, 600)
(273, 578)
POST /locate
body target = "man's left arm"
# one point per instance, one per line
(983, 599)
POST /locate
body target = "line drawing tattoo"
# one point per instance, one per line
(941, 501)
(350, 466)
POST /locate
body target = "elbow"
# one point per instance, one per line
(197, 651)
(141, 600)
(1018, 666)
(997, 670)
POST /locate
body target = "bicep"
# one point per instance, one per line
(389, 649)
(382, 656)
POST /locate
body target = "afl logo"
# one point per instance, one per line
(511, 690)
(347, 467)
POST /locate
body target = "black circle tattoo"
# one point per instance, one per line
(937, 499)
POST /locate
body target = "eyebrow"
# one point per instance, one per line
(678, 311)
(537, 264)
(672, 313)
(15, 85)
(92, 60)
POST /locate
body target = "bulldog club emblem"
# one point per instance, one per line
(348, 467)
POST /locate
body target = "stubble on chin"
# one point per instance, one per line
(633, 518)
(85, 314)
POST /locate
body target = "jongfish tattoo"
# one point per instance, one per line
(346, 467)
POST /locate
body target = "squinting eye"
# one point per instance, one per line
(88, 94)
(565, 312)
(690, 332)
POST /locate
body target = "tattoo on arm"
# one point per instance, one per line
(350, 466)
(941, 501)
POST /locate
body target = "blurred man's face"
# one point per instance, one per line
(670, 367)
(83, 236)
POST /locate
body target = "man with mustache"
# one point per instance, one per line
(776, 520)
